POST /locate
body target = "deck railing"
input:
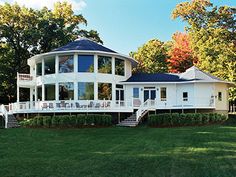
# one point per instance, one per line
(67, 105)
(25, 77)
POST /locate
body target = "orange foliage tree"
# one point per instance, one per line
(180, 54)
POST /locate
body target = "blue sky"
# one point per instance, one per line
(125, 25)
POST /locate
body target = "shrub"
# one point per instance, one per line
(175, 119)
(55, 121)
(47, 120)
(39, 121)
(212, 117)
(166, 119)
(80, 120)
(205, 118)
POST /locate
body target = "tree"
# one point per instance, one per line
(180, 55)
(151, 57)
(213, 37)
(25, 32)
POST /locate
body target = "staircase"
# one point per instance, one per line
(10, 120)
(134, 119)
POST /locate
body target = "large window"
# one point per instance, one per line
(135, 92)
(49, 91)
(66, 91)
(104, 91)
(104, 64)
(66, 64)
(39, 93)
(163, 93)
(39, 69)
(49, 65)
(119, 67)
(86, 63)
(86, 91)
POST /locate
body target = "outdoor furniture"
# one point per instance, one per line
(58, 105)
(90, 104)
(97, 105)
(44, 106)
(77, 105)
(50, 106)
(63, 104)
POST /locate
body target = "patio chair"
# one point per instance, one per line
(77, 105)
(108, 104)
(97, 105)
(58, 105)
(44, 106)
(90, 104)
(50, 106)
(63, 104)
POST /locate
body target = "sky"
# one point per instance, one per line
(125, 25)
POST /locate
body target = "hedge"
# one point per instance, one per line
(68, 121)
(182, 119)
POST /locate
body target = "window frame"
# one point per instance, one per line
(185, 98)
(161, 96)
(138, 92)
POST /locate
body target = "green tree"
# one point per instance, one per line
(25, 32)
(151, 57)
(213, 37)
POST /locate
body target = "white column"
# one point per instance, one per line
(36, 93)
(75, 90)
(113, 91)
(18, 93)
(76, 63)
(95, 91)
(43, 65)
(57, 91)
(43, 92)
(113, 65)
(56, 64)
(31, 94)
(95, 63)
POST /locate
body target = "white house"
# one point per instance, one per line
(86, 77)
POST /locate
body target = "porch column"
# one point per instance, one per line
(113, 91)
(57, 91)
(18, 93)
(95, 63)
(75, 90)
(31, 94)
(43, 92)
(95, 91)
(76, 63)
(36, 93)
(113, 65)
(43, 67)
(56, 64)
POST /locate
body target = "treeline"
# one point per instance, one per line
(209, 43)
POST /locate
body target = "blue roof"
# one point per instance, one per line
(84, 44)
(156, 77)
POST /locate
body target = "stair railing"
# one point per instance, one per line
(148, 104)
(5, 114)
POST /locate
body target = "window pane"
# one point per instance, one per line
(39, 69)
(49, 65)
(185, 96)
(66, 91)
(136, 92)
(39, 93)
(104, 91)
(119, 67)
(86, 91)
(220, 96)
(49, 91)
(66, 64)
(163, 94)
(104, 64)
(85, 63)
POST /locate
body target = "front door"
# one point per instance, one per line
(149, 94)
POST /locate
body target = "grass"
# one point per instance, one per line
(116, 151)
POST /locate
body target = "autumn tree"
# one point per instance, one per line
(180, 55)
(151, 57)
(213, 37)
(25, 32)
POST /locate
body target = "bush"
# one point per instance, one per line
(184, 119)
(47, 120)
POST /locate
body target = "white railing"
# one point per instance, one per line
(69, 105)
(147, 105)
(24, 77)
(4, 113)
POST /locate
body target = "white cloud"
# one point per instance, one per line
(77, 5)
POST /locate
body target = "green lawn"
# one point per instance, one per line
(191, 151)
